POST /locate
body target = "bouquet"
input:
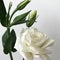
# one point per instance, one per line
(31, 42)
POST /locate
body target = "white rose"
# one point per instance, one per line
(32, 43)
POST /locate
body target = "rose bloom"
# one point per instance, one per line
(33, 43)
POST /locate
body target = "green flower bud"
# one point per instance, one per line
(10, 4)
(22, 4)
(31, 18)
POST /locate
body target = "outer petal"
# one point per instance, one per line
(42, 51)
(42, 41)
(45, 57)
(27, 55)
(47, 43)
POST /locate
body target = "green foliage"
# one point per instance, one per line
(20, 6)
(2, 13)
(8, 41)
(20, 19)
(9, 37)
(5, 22)
(2, 10)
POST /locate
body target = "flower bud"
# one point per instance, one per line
(31, 18)
(22, 4)
(33, 15)
(10, 4)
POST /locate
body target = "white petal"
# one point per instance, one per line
(27, 55)
(48, 43)
(45, 57)
(43, 51)
(42, 41)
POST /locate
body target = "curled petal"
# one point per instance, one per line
(45, 57)
(27, 55)
(42, 41)
(32, 43)
(47, 43)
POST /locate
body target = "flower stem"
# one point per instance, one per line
(11, 56)
(12, 14)
(8, 28)
(23, 58)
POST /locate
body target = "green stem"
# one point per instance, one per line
(12, 14)
(11, 56)
(23, 58)
(8, 29)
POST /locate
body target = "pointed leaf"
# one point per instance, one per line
(20, 19)
(2, 10)
(8, 42)
(2, 13)
(4, 39)
(13, 40)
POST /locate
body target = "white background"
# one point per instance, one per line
(47, 22)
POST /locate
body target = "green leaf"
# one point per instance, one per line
(20, 6)
(2, 10)
(2, 13)
(13, 40)
(5, 22)
(20, 19)
(8, 42)
(4, 39)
